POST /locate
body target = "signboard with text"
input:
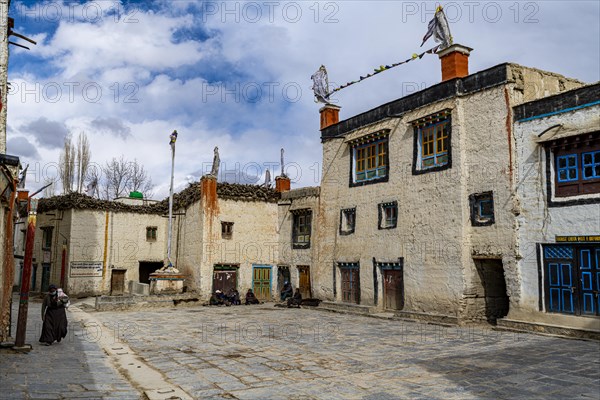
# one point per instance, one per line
(86, 269)
(578, 239)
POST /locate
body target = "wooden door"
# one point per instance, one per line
(45, 277)
(304, 281)
(117, 282)
(261, 283)
(224, 280)
(589, 269)
(350, 285)
(393, 289)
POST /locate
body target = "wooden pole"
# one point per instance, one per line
(26, 277)
(171, 199)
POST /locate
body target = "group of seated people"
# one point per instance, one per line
(232, 297)
(293, 300)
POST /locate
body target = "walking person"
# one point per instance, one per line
(54, 317)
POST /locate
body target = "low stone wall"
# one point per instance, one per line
(113, 303)
(140, 289)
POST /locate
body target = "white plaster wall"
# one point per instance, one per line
(254, 241)
(83, 234)
(429, 231)
(434, 233)
(187, 243)
(538, 223)
(294, 257)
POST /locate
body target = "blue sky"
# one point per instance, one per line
(237, 74)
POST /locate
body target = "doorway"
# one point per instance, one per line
(224, 278)
(350, 283)
(45, 277)
(491, 275)
(572, 279)
(283, 275)
(146, 268)
(261, 282)
(117, 282)
(393, 289)
(304, 281)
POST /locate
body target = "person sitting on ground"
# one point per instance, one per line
(296, 300)
(214, 299)
(223, 299)
(234, 297)
(251, 298)
(286, 291)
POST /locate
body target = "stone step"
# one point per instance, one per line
(347, 307)
(547, 329)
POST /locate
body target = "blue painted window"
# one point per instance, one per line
(591, 165)
(434, 142)
(482, 208)
(566, 167)
(370, 161)
(486, 208)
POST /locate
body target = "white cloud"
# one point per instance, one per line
(176, 68)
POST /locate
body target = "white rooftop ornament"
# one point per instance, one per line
(321, 85)
(440, 30)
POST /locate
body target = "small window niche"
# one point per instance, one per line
(388, 215)
(482, 208)
(347, 221)
(151, 233)
(226, 230)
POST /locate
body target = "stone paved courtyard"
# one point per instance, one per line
(264, 352)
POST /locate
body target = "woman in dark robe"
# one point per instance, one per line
(296, 300)
(54, 317)
(251, 298)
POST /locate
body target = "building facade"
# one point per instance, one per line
(429, 180)
(462, 202)
(557, 188)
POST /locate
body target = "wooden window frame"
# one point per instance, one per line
(569, 155)
(301, 228)
(385, 221)
(47, 237)
(151, 233)
(226, 230)
(345, 228)
(478, 218)
(432, 149)
(369, 160)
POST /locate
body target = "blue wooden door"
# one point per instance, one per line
(561, 290)
(590, 280)
(572, 279)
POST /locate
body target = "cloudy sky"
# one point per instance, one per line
(236, 74)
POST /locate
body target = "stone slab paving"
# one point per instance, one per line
(75, 368)
(263, 352)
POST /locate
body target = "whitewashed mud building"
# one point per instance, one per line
(473, 199)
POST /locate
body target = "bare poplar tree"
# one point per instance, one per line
(67, 165)
(117, 176)
(84, 155)
(50, 190)
(140, 181)
(94, 179)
